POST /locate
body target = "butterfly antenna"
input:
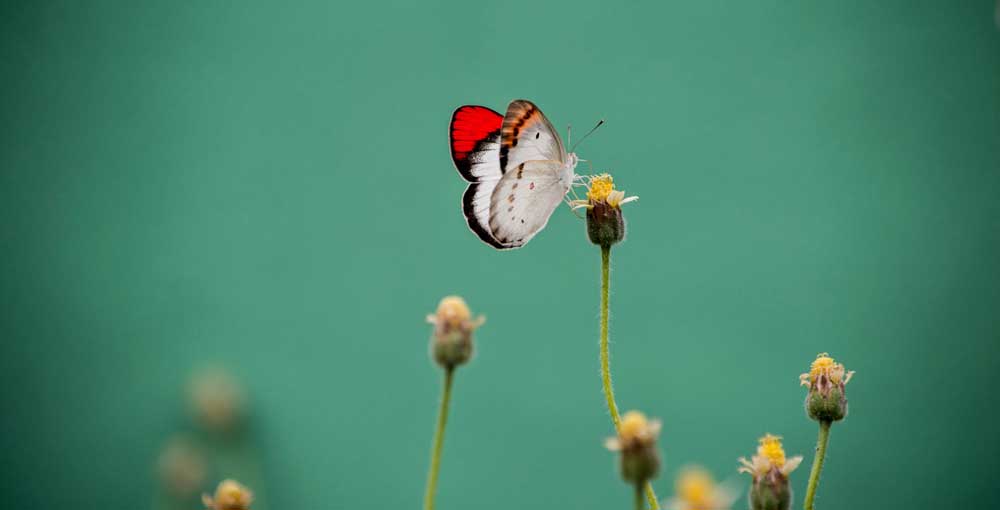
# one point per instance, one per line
(569, 134)
(586, 135)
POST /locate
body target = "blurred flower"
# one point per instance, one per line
(217, 400)
(696, 490)
(451, 341)
(230, 495)
(182, 468)
(605, 223)
(636, 440)
(770, 469)
(826, 380)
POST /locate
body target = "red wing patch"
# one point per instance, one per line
(472, 128)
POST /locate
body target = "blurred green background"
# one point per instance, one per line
(268, 188)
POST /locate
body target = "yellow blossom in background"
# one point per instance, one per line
(229, 495)
(770, 456)
(695, 489)
(639, 461)
(217, 399)
(182, 468)
(635, 430)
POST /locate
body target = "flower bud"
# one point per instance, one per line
(771, 493)
(451, 341)
(230, 495)
(605, 223)
(636, 440)
(826, 380)
(769, 468)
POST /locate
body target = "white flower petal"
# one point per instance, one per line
(791, 464)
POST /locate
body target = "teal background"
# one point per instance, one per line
(268, 187)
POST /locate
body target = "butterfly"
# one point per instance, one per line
(517, 168)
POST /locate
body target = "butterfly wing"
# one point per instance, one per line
(475, 148)
(528, 136)
(516, 166)
(524, 199)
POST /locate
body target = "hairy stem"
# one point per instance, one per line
(609, 393)
(817, 467)
(442, 421)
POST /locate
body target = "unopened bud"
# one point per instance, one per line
(451, 341)
(605, 224)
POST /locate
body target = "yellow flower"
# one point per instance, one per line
(770, 456)
(633, 431)
(601, 189)
(823, 369)
(695, 489)
(229, 495)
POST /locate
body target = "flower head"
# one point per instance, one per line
(636, 440)
(229, 495)
(770, 457)
(823, 370)
(605, 223)
(770, 469)
(451, 342)
(634, 431)
(601, 189)
(826, 380)
(695, 489)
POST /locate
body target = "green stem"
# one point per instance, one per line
(651, 496)
(609, 393)
(638, 497)
(817, 467)
(442, 421)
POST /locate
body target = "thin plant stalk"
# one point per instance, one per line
(638, 497)
(442, 421)
(817, 467)
(609, 393)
